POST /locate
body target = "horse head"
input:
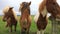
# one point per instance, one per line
(7, 13)
(25, 7)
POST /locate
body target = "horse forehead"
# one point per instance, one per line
(25, 3)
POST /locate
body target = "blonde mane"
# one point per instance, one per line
(14, 13)
(5, 10)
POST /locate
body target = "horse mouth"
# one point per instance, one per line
(4, 20)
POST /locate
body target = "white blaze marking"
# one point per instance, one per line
(44, 12)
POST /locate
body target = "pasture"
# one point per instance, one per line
(33, 28)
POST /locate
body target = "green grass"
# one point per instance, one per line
(33, 28)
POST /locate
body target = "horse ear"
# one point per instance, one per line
(29, 3)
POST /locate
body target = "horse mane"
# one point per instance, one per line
(14, 13)
(42, 5)
(42, 8)
(5, 10)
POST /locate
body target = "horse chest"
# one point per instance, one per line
(41, 24)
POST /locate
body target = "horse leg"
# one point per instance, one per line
(43, 31)
(23, 31)
(15, 27)
(38, 32)
(10, 28)
(54, 27)
(27, 31)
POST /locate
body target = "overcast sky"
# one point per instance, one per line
(15, 3)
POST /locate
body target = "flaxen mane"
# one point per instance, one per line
(5, 10)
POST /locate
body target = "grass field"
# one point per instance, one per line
(33, 28)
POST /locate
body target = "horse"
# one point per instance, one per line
(25, 19)
(41, 18)
(54, 9)
(10, 17)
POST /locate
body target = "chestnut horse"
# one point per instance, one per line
(41, 18)
(25, 20)
(10, 17)
(53, 8)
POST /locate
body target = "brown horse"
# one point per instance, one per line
(25, 20)
(10, 17)
(41, 18)
(53, 8)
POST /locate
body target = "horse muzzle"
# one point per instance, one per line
(4, 20)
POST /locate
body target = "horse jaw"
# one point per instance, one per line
(44, 12)
(36, 17)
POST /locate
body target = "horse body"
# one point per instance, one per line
(10, 18)
(25, 20)
(42, 18)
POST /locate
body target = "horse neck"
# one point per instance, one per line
(11, 15)
(42, 5)
(25, 14)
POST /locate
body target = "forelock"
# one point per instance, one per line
(5, 10)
